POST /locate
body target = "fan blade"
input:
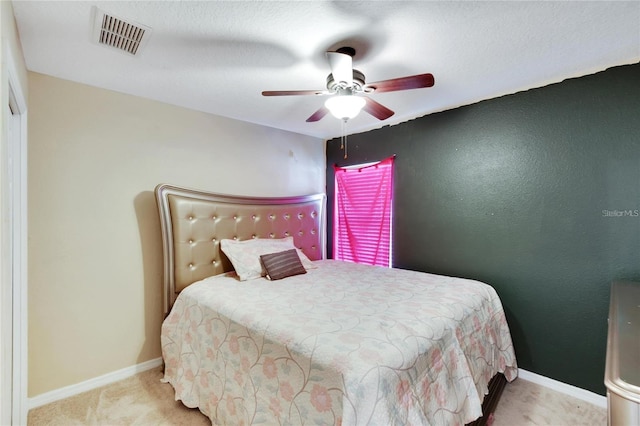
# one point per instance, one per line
(293, 92)
(341, 67)
(318, 115)
(403, 83)
(376, 109)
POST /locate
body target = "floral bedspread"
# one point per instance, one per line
(343, 344)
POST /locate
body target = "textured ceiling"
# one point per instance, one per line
(217, 57)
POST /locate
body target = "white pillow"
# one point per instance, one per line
(245, 255)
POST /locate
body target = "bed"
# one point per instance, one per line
(334, 342)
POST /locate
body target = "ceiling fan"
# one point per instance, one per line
(345, 85)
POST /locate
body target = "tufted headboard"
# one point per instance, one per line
(193, 223)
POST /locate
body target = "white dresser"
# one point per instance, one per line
(622, 372)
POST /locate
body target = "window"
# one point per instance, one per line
(362, 222)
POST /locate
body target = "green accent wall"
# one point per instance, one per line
(535, 193)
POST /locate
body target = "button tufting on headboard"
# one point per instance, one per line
(213, 217)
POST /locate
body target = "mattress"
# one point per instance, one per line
(342, 344)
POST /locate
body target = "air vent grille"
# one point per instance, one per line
(115, 32)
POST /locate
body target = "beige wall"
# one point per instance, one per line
(95, 301)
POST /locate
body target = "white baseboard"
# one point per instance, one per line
(68, 391)
(575, 392)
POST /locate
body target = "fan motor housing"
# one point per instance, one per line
(358, 82)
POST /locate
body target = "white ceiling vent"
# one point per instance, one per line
(110, 30)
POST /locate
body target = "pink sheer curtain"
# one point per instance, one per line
(362, 222)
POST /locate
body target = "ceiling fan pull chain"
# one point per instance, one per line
(343, 145)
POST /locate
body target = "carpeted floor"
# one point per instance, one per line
(143, 400)
(526, 403)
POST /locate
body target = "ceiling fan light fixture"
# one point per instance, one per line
(345, 107)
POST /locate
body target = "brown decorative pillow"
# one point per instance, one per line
(282, 264)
